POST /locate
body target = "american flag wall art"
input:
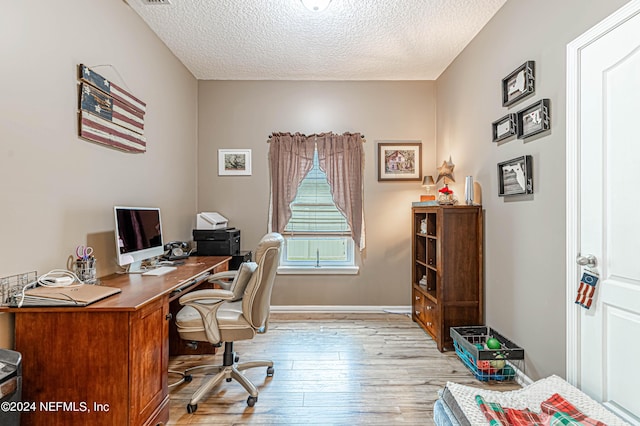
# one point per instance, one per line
(110, 115)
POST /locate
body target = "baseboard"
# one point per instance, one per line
(356, 309)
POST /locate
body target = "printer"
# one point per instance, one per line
(217, 242)
(214, 237)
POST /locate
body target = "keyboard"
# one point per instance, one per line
(160, 271)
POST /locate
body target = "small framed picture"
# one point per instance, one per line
(401, 160)
(519, 84)
(515, 177)
(534, 119)
(505, 127)
(234, 162)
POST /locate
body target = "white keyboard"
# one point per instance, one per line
(160, 271)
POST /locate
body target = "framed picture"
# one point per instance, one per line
(534, 119)
(504, 128)
(515, 177)
(519, 84)
(234, 162)
(400, 160)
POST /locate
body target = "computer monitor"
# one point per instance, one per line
(138, 236)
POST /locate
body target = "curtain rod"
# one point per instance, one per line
(313, 134)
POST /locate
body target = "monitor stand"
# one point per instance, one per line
(136, 268)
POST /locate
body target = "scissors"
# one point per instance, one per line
(84, 252)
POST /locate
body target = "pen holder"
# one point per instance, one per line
(85, 269)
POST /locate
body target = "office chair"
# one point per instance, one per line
(219, 315)
(234, 281)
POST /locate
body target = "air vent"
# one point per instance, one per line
(155, 2)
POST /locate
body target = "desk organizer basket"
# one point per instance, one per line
(486, 364)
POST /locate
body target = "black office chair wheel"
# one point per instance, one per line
(270, 371)
(188, 378)
(236, 359)
(251, 401)
(228, 379)
(191, 408)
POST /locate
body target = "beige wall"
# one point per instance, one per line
(57, 190)
(242, 114)
(525, 236)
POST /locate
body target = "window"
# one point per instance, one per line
(317, 235)
(321, 216)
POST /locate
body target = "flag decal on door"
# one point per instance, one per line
(587, 288)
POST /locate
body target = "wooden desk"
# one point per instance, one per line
(106, 363)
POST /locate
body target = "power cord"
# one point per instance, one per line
(53, 278)
(59, 278)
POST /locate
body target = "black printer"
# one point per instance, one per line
(217, 242)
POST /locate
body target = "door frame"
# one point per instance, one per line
(574, 50)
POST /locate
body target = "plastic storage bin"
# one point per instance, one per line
(10, 386)
(487, 364)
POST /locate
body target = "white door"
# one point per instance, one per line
(603, 210)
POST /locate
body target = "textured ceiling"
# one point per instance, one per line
(350, 40)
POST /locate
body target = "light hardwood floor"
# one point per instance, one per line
(330, 369)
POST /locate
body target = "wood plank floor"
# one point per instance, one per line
(330, 369)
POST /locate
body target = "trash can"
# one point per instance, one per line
(10, 387)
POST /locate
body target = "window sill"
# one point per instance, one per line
(323, 270)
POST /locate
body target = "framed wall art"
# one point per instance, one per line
(515, 177)
(399, 160)
(534, 119)
(519, 84)
(234, 162)
(505, 127)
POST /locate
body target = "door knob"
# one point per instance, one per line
(588, 260)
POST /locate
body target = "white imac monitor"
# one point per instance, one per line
(138, 236)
